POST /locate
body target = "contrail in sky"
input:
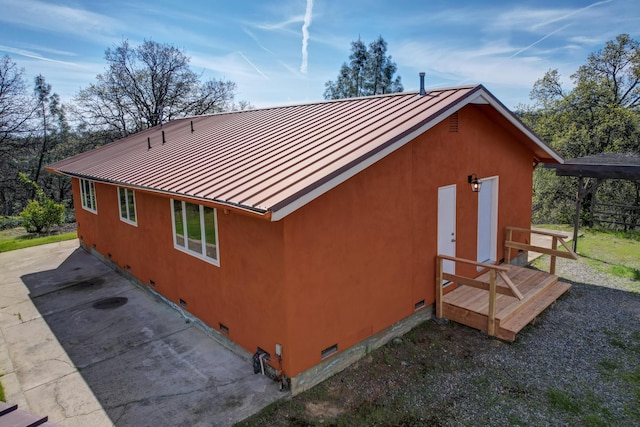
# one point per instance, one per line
(559, 29)
(538, 41)
(305, 36)
(253, 65)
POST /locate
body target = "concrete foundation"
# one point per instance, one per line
(344, 359)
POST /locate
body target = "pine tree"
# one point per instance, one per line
(370, 71)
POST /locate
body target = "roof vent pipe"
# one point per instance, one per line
(422, 91)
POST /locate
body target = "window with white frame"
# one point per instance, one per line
(88, 195)
(195, 230)
(127, 199)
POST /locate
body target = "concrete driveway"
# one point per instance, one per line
(83, 345)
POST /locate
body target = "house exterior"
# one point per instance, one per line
(310, 231)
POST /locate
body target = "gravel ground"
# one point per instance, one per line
(577, 364)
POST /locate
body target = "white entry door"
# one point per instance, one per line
(488, 220)
(447, 225)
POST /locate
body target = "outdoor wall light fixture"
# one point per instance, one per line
(474, 182)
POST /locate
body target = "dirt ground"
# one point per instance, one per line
(578, 363)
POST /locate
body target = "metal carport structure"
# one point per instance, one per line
(599, 166)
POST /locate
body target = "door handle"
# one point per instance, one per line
(453, 240)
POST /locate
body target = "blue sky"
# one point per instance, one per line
(280, 52)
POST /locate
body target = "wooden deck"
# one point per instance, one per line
(470, 306)
(505, 298)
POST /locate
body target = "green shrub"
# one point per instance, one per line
(40, 216)
(42, 213)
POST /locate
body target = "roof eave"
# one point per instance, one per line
(221, 204)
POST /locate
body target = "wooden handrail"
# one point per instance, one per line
(538, 231)
(553, 251)
(476, 263)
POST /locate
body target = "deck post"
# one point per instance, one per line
(439, 281)
(552, 262)
(576, 218)
(509, 239)
(491, 327)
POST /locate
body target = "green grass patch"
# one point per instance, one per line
(587, 408)
(612, 248)
(624, 271)
(563, 401)
(3, 398)
(18, 238)
(614, 253)
(565, 228)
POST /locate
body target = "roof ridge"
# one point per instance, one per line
(331, 101)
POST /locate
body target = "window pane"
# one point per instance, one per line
(178, 224)
(132, 205)
(84, 185)
(194, 235)
(92, 193)
(122, 192)
(210, 233)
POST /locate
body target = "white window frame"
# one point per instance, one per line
(126, 218)
(185, 248)
(88, 200)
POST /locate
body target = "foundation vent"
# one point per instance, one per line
(453, 122)
(224, 329)
(329, 351)
(183, 303)
(418, 305)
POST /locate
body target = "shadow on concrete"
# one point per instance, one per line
(142, 360)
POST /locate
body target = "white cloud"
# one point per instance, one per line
(484, 64)
(305, 36)
(283, 25)
(47, 17)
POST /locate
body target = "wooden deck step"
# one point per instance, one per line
(529, 282)
(470, 306)
(508, 329)
(530, 297)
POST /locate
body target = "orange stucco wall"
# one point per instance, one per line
(244, 293)
(343, 267)
(359, 258)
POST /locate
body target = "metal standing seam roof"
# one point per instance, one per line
(603, 166)
(275, 160)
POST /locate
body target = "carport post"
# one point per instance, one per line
(576, 220)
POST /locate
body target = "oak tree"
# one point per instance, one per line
(600, 113)
(145, 85)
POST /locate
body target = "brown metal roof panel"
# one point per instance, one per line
(234, 151)
(295, 152)
(264, 157)
(270, 152)
(351, 159)
(334, 156)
